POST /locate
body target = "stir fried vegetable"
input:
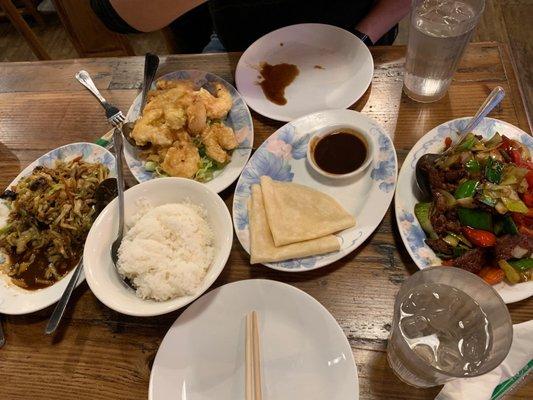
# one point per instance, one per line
(481, 214)
(51, 212)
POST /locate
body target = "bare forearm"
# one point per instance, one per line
(151, 15)
(383, 16)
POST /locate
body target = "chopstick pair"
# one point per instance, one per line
(252, 359)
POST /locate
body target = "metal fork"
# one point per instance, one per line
(113, 114)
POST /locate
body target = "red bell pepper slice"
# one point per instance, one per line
(479, 237)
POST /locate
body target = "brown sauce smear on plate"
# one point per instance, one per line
(340, 152)
(33, 277)
(318, 67)
(275, 78)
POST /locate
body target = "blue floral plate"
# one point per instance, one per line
(410, 230)
(283, 157)
(13, 299)
(239, 119)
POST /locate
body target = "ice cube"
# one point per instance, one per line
(414, 326)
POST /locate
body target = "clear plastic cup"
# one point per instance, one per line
(438, 34)
(439, 334)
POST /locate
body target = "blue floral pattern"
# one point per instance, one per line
(279, 157)
(385, 170)
(239, 118)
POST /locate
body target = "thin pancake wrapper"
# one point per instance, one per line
(262, 248)
(297, 213)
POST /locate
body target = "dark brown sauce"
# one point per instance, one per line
(340, 152)
(33, 277)
(275, 79)
(318, 67)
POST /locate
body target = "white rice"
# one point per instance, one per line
(167, 251)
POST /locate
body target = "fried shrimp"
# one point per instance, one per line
(217, 106)
(182, 159)
(196, 117)
(150, 128)
(217, 138)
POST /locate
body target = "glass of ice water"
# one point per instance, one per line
(448, 323)
(438, 35)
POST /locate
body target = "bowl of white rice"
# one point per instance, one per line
(177, 241)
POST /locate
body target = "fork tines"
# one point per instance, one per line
(117, 119)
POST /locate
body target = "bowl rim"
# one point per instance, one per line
(356, 132)
(167, 306)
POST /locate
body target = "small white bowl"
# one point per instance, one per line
(100, 271)
(365, 137)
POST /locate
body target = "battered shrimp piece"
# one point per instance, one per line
(182, 159)
(151, 129)
(182, 84)
(196, 117)
(218, 138)
(217, 106)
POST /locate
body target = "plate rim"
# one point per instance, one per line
(366, 235)
(66, 278)
(286, 286)
(283, 118)
(397, 205)
(217, 188)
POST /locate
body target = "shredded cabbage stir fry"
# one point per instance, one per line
(51, 212)
(481, 214)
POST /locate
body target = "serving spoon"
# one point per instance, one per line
(151, 63)
(105, 192)
(492, 100)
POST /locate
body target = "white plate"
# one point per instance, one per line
(305, 354)
(15, 300)
(410, 230)
(239, 119)
(283, 157)
(347, 70)
(100, 270)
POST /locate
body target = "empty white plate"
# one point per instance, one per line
(305, 354)
(335, 68)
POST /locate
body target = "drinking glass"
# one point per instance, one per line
(438, 34)
(451, 330)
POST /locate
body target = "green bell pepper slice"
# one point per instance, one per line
(521, 265)
(493, 170)
(474, 218)
(509, 225)
(473, 166)
(466, 189)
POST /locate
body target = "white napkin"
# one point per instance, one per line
(481, 387)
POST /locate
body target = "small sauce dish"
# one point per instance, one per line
(340, 153)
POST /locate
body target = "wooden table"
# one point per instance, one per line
(100, 354)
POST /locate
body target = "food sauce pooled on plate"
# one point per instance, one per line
(275, 78)
(340, 152)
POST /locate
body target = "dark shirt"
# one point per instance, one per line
(238, 23)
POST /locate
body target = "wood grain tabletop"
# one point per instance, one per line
(100, 354)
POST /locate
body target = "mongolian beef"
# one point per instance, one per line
(481, 214)
(51, 212)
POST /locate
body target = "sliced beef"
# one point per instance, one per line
(443, 179)
(440, 246)
(444, 220)
(472, 260)
(506, 244)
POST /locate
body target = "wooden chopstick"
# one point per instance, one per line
(252, 359)
(248, 358)
(256, 357)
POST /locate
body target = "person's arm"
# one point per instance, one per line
(383, 16)
(152, 15)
